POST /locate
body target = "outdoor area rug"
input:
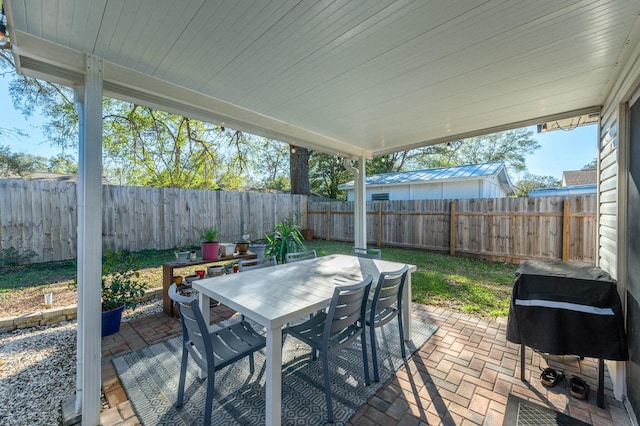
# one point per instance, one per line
(521, 412)
(150, 379)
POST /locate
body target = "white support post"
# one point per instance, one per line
(360, 211)
(90, 242)
(361, 205)
(78, 95)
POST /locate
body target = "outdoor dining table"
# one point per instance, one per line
(274, 296)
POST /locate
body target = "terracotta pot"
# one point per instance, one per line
(242, 248)
(307, 234)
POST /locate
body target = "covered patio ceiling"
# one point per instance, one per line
(347, 77)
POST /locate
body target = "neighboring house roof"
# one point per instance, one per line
(58, 177)
(579, 177)
(466, 172)
(588, 189)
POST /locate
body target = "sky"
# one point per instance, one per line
(559, 150)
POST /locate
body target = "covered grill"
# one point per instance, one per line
(567, 309)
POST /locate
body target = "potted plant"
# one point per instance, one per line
(182, 255)
(258, 248)
(242, 246)
(210, 245)
(285, 238)
(121, 288)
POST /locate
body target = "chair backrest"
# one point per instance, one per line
(195, 334)
(346, 315)
(371, 253)
(388, 292)
(301, 255)
(263, 262)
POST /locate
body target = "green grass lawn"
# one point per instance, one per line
(473, 286)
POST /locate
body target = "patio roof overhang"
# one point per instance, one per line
(353, 78)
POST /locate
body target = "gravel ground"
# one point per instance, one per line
(38, 370)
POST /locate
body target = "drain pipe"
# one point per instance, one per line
(360, 214)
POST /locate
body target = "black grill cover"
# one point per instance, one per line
(567, 309)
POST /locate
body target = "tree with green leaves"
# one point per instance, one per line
(143, 146)
(530, 182)
(511, 147)
(593, 164)
(326, 172)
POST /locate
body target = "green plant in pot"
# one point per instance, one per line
(285, 238)
(121, 288)
(210, 244)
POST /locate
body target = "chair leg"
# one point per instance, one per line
(183, 373)
(251, 363)
(374, 354)
(365, 359)
(208, 406)
(327, 385)
(401, 333)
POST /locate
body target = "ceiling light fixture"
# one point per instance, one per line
(222, 128)
(293, 149)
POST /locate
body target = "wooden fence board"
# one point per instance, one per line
(42, 216)
(511, 229)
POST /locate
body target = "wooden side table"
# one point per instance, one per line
(167, 275)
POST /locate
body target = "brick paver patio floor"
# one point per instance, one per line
(461, 376)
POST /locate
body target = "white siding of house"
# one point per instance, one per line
(432, 191)
(613, 156)
(612, 167)
(480, 188)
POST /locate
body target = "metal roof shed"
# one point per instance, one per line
(488, 180)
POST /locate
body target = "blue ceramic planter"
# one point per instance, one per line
(111, 321)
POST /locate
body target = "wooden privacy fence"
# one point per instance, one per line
(42, 216)
(503, 229)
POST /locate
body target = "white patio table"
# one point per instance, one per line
(274, 296)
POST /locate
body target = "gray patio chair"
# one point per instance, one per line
(298, 256)
(211, 350)
(332, 331)
(385, 306)
(371, 253)
(263, 262)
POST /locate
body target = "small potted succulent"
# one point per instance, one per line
(210, 245)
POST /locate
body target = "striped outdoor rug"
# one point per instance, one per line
(150, 378)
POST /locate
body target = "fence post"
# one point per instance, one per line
(565, 231)
(329, 223)
(379, 224)
(452, 229)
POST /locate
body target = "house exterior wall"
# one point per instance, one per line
(478, 188)
(614, 189)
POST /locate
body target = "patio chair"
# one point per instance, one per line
(211, 350)
(385, 306)
(332, 331)
(300, 255)
(371, 253)
(263, 262)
